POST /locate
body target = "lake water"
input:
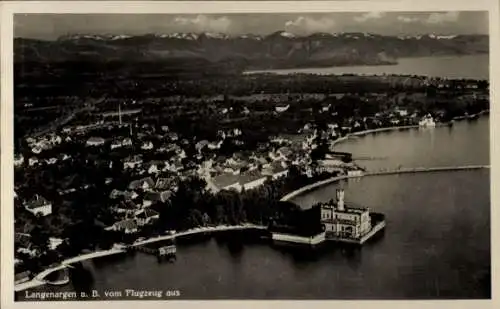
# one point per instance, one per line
(470, 66)
(436, 244)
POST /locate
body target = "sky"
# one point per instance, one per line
(51, 26)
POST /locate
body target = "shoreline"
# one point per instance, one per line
(402, 128)
(38, 279)
(396, 62)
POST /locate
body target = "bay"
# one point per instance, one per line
(453, 67)
(436, 245)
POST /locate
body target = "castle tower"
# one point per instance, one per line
(340, 199)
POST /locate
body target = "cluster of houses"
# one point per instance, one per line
(38, 206)
(157, 180)
(132, 205)
(44, 142)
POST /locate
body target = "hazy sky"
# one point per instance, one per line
(51, 26)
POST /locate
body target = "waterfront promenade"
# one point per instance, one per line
(38, 280)
(381, 172)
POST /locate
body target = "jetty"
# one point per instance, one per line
(168, 251)
(424, 170)
(381, 172)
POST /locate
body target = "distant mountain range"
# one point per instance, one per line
(277, 50)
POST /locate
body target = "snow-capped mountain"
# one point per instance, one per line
(278, 49)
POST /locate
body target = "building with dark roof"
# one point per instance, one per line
(39, 205)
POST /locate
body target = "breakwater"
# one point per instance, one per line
(318, 184)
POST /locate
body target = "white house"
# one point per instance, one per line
(128, 226)
(427, 122)
(326, 108)
(18, 160)
(215, 145)
(95, 141)
(402, 112)
(36, 150)
(147, 146)
(55, 139)
(153, 169)
(132, 162)
(282, 108)
(127, 142)
(146, 216)
(38, 205)
(116, 144)
(355, 173)
(54, 243)
(201, 144)
(51, 161)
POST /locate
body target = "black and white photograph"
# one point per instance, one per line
(339, 155)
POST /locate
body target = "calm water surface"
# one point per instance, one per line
(465, 143)
(470, 66)
(436, 245)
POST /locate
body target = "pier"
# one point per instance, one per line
(424, 170)
(381, 172)
(161, 252)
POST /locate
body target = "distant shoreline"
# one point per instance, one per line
(305, 70)
(398, 128)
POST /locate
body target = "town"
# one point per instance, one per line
(96, 170)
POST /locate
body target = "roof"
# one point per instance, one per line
(139, 183)
(126, 224)
(147, 213)
(24, 240)
(285, 151)
(293, 137)
(22, 275)
(250, 176)
(127, 205)
(157, 196)
(37, 201)
(225, 180)
(95, 140)
(277, 167)
(202, 143)
(165, 183)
